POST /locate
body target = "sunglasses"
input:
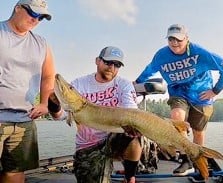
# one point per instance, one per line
(109, 63)
(33, 14)
(170, 39)
(175, 28)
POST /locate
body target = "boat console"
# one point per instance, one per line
(151, 86)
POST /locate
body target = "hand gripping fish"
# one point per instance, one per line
(112, 119)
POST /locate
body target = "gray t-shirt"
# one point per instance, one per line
(21, 59)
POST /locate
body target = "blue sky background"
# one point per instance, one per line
(79, 29)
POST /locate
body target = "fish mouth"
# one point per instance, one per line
(58, 79)
(59, 89)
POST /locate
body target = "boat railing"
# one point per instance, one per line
(61, 164)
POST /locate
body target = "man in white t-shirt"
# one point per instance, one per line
(95, 149)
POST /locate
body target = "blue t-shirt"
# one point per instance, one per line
(188, 74)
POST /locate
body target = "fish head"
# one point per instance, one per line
(67, 95)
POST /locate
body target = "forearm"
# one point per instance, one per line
(47, 78)
(45, 90)
(60, 115)
(55, 108)
(219, 85)
(146, 73)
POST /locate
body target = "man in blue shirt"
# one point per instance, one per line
(186, 67)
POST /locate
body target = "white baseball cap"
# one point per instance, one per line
(178, 31)
(38, 6)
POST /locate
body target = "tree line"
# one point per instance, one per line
(161, 108)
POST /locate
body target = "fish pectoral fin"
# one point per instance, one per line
(181, 126)
(77, 122)
(70, 118)
(201, 164)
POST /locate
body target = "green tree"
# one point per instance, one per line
(162, 109)
(217, 113)
(158, 107)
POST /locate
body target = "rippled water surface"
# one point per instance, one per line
(57, 138)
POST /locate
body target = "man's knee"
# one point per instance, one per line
(178, 114)
(134, 150)
(198, 137)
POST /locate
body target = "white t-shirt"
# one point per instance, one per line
(118, 92)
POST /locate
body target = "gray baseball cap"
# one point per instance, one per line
(112, 53)
(38, 6)
(178, 31)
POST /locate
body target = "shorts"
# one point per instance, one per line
(18, 146)
(94, 164)
(197, 116)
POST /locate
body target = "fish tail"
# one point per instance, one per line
(210, 153)
(201, 162)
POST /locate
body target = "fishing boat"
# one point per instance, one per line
(60, 169)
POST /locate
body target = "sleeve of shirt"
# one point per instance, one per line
(219, 85)
(127, 95)
(149, 71)
(217, 64)
(74, 83)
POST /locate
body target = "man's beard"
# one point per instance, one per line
(107, 77)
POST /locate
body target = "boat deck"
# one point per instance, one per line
(62, 173)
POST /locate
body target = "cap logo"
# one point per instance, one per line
(43, 4)
(115, 52)
(39, 3)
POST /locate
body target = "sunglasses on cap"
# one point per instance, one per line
(170, 39)
(175, 28)
(116, 64)
(33, 14)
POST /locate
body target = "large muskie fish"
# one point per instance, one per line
(112, 119)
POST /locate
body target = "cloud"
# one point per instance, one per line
(107, 10)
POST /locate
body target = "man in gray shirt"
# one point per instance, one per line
(26, 68)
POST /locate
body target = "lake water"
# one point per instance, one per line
(56, 138)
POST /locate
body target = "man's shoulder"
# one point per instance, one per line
(87, 76)
(197, 47)
(124, 84)
(83, 79)
(36, 36)
(2, 25)
(162, 53)
(123, 80)
(163, 49)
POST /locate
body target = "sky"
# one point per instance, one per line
(79, 29)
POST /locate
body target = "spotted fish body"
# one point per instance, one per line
(112, 119)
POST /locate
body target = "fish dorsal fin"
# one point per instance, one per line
(181, 126)
(167, 151)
